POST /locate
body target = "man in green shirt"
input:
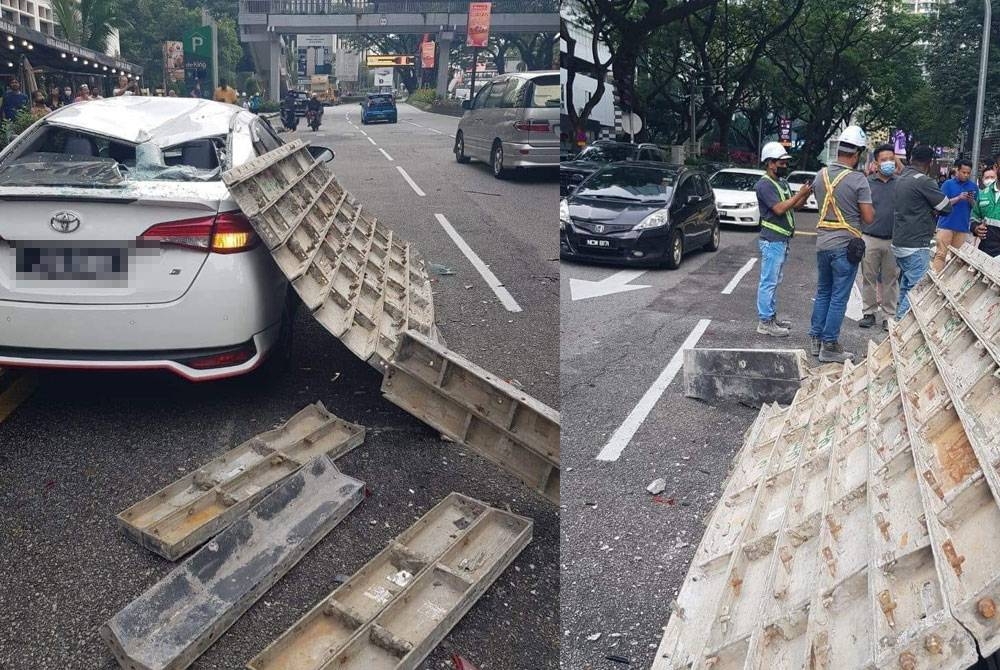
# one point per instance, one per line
(986, 215)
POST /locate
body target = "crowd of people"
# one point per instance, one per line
(879, 216)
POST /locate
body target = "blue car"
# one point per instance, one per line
(378, 107)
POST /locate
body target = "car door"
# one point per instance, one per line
(683, 211)
(472, 129)
(495, 115)
(706, 215)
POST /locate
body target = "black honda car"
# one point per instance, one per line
(644, 213)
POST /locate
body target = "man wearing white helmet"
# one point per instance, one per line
(845, 199)
(777, 225)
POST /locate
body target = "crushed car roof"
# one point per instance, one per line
(136, 119)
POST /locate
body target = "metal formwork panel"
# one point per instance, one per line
(325, 631)
(186, 513)
(472, 406)
(360, 281)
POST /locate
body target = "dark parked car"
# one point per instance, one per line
(639, 212)
(301, 98)
(599, 154)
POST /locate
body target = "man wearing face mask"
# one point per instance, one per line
(878, 260)
(777, 225)
(952, 228)
(986, 215)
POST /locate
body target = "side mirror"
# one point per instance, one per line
(321, 154)
(693, 199)
(466, 104)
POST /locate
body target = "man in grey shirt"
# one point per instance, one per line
(845, 199)
(918, 202)
(879, 263)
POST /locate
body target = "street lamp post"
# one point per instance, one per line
(981, 93)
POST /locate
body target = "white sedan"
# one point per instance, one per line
(123, 249)
(735, 197)
(796, 180)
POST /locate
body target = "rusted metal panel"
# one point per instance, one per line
(474, 407)
(327, 629)
(359, 280)
(186, 513)
(177, 619)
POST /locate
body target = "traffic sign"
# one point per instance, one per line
(631, 123)
(391, 60)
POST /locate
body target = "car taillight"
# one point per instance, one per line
(532, 126)
(227, 233)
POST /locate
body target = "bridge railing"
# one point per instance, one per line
(391, 6)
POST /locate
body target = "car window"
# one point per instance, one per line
(701, 185)
(545, 91)
(264, 138)
(629, 182)
(513, 97)
(606, 153)
(644, 155)
(659, 155)
(684, 189)
(481, 96)
(496, 95)
(735, 181)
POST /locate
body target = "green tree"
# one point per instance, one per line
(149, 23)
(89, 23)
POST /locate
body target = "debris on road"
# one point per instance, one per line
(475, 408)
(175, 621)
(859, 526)
(441, 270)
(401, 599)
(360, 281)
(462, 663)
(752, 376)
(657, 486)
(186, 513)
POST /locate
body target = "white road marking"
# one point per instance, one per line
(413, 124)
(491, 279)
(581, 289)
(385, 154)
(740, 274)
(435, 130)
(855, 306)
(364, 133)
(372, 141)
(621, 438)
(410, 181)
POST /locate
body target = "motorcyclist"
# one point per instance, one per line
(315, 107)
(288, 117)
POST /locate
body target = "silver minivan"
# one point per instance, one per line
(513, 122)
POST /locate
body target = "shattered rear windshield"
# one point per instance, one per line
(47, 169)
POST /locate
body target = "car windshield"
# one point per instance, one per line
(545, 92)
(625, 182)
(606, 153)
(801, 177)
(735, 181)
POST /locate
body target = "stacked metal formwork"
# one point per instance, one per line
(360, 281)
(860, 527)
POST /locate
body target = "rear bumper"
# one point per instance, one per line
(180, 362)
(530, 155)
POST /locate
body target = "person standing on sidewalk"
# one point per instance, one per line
(879, 265)
(952, 228)
(986, 215)
(846, 199)
(777, 226)
(918, 202)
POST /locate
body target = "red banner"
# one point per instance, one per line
(479, 24)
(427, 55)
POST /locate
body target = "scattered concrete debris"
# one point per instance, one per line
(183, 515)
(594, 638)
(859, 527)
(363, 284)
(475, 408)
(752, 376)
(657, 486)
(462, 663)
(175, 621)
(457, 536)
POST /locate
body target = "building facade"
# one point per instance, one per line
(32, 14)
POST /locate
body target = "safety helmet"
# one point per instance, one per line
(854, 136)
(773, 151)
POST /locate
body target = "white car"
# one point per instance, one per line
(796, 180)
(735, 197)
(121, 248)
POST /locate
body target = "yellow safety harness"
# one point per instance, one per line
(830, 202)
(783, 194)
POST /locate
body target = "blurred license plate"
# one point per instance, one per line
(599, 243)
(72, 263)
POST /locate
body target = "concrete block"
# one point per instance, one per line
(175, 621)
(752, 376)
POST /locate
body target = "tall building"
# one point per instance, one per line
(33, 14)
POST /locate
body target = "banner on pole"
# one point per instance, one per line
(427, 55)
(479, 24)
(173, 62)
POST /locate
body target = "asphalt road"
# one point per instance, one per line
(85, 446)
(624, 554)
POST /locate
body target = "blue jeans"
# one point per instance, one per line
(772, 266)
(912, 269)
(833, 289)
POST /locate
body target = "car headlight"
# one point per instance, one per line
(563, 213)
(746, 205)
(660, 217)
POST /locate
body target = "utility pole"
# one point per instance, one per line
(693, 121)
(977, 132)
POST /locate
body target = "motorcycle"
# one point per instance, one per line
(289, 119)
(312, 119)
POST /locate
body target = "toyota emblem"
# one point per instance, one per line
(598, 228)
(64, 222)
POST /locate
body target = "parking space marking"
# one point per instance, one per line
(372, 141)
(621, 438)
(413, 124)
(385, 154)
(20, 388)
(435, 130)
(413, 184)
(506, 299)
(740, 274)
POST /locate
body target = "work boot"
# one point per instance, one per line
(867, 321)
(815, 344)
(782, 323)
(832, 352)
(771, 328)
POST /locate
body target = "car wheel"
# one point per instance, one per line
(715, 239)
(460, 148)
(496, 160)
(675, 250)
